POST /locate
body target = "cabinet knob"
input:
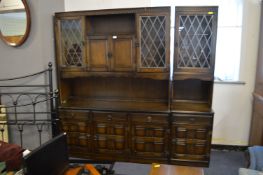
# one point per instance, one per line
(109, 55)
(109, 117)
(192, 119)
(149, 119)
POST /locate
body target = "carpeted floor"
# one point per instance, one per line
(221, 163)
(225, 163)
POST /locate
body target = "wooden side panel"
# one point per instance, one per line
(256, 131)
(259, 75)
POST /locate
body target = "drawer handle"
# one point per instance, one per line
(149, 119)
(201, 130)
(109, 117)
(192, 119)
(181, 129)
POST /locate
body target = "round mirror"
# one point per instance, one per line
(14, 21)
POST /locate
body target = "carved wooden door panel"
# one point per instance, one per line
(149, 136)
(98, 53)
(122, 53)
(191, 137)
(110, 133)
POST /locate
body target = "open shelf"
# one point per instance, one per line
(115, 93)
(134, 105)
(110, 24)
(191, 95)
(197, 106)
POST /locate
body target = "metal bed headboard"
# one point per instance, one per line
(28, 105)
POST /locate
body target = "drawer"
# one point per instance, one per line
(69, 115)
(150, 118)
(110, 117)
(75, 126)
(192, 119)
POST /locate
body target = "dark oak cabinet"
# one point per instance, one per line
(118, 101)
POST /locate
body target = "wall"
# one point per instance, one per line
(103, 4)
(34, 55)
(231, 102)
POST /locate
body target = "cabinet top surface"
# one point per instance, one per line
(114, 11)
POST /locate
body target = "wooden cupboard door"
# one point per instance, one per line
(195, 40)
(110, 133)
(153, 53)
(79, 144)
(122, 53)
(70, 43)
(98, 52)
(149, 135)
(191, 137)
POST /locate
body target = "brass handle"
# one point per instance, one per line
(109, 117)
(149, 119)
(109, 55)
(192, 119)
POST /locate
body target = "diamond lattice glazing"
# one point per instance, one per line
(195, 35)
(153, 41)
(71, 36)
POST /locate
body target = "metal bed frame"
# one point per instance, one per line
(21, 100)
(29, 107)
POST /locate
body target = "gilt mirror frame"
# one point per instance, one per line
(27, 31)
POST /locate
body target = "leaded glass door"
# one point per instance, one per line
(195, 39)
(71, 43)
(153, 50)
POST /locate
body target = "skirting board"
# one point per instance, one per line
(229, 147)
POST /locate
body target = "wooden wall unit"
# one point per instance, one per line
(117, 101)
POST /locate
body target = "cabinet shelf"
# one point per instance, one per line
(187, 105)
(190, 75)
(153, 105)
(110, 24)
(85, 73)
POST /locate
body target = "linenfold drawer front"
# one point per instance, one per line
(3, 125)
